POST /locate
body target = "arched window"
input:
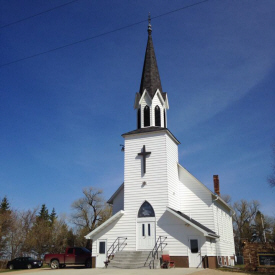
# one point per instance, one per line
(164, 116)
(146, 116)
(146, 210)
(138, 119)
(157, 116)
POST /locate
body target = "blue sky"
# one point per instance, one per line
(62, 113)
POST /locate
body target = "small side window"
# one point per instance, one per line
(194, 246)
(101, 247)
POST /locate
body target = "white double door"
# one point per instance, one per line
(146, 233)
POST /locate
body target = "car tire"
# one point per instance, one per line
(11, 266)
(88, 264)
(54, 264)
(29, 266)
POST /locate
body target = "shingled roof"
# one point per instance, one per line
(150, 79)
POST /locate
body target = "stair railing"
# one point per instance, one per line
(155, 251)
(117, 245)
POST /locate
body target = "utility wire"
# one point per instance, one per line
(99, 35)
(32, 16)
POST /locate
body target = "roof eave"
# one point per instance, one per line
(105, 224)
(205, 233)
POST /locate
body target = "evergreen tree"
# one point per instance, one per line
(53, 216)
(43, 213)
(5, 205)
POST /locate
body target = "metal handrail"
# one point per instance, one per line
(159, 244)
(116, 246)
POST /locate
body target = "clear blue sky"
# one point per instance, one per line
(62, 113)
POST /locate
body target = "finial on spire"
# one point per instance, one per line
(149, 24)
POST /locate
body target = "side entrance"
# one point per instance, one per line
(194, 252)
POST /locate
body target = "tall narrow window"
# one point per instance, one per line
(143, 229)
(157, 116)
(146, 116)
(164, 116)
(138, 118)
(149, 229)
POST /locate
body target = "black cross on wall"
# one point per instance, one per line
(144, 154)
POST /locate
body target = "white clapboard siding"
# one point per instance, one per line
(118, 202)
(224, 228)
(172, 174)
(195, 199)
(166, 183)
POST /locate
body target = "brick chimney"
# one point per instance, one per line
(216, 184)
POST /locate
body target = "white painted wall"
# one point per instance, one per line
(118, 202)
(224, 228)
(167, 184)
(195, 199)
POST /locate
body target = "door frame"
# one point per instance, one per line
(144, 220)
(98, 259)
(195, 237)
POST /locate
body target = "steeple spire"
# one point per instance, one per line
(151, 102)
(150, 79)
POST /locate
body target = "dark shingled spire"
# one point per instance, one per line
(150, 79)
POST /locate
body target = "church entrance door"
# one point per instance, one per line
(194, 252)
(146, 236)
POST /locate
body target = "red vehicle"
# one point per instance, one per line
(72, 256)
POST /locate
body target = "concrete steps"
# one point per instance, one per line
(133, 260)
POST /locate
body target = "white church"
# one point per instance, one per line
(161, 208)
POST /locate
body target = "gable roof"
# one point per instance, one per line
(111, 200)
(205, 230)
(206, 188)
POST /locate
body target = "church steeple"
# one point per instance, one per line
(150, 79)
(151, 102)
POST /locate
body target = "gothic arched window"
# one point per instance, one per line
(146, 210)
(157, 116)
(138, 119)
(146, 116)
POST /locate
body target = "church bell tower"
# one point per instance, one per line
(151, 102)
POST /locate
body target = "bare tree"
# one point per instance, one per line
(89, 212)
(22, 223)
(245, 213)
